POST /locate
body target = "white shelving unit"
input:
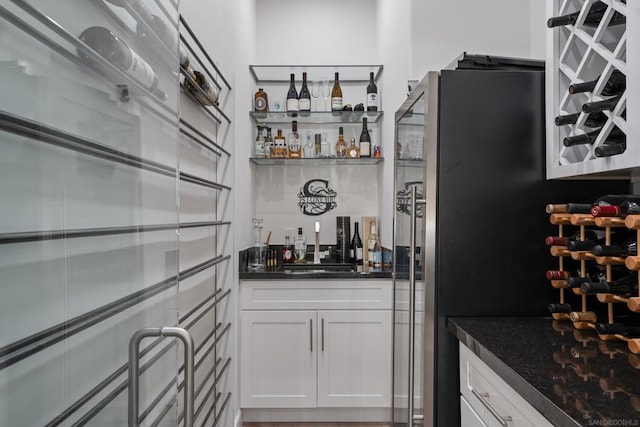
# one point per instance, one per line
(577, 53)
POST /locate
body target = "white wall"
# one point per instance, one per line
(442, 30)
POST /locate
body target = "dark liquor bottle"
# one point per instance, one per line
(372, 94)
(593, 120)
(365, 140)
(356, 247)
(607, 104)
(292, 96)
(114, 50)
(608, 150)
(559, 308)
(616, 135)
(260, 101)
(625, 286)
(336, 95)
(615, 85)
(304, 99)
(287, 250)
(592, 19)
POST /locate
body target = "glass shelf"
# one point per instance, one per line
(317, 161)
(317, 117)
(348, 73)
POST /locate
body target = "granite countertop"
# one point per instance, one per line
(312, 274)
(572, 377)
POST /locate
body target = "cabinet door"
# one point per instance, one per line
(354, 358)
(278, 359)
(469, 417)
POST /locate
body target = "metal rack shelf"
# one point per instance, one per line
(348, 73)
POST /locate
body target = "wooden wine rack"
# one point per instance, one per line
(583, 319)
(576, 54)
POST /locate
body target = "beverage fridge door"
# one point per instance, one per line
(409, 249)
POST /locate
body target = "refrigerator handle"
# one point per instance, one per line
(412, 302)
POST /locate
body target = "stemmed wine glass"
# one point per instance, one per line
(325, 96)
(315, 93)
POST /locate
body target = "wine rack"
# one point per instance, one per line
(581, 53)
(583, 317)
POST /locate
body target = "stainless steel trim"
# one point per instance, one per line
(134, 368)
(503, 420)
(322, 334)
(311, 335)
(412, 302)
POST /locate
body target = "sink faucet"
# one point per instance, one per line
(316, 250)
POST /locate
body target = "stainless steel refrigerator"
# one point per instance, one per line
(469, 220)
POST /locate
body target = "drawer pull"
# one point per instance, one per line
(311, 335)
(482, 398)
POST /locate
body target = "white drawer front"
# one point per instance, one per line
(317, 295)
(492, 398)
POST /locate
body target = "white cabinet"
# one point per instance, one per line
(487, 400)
(278, 359)
(316, 357)
(354, 358)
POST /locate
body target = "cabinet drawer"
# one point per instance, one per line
(492, 398)
(317, 294)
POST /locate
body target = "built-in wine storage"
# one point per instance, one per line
(601, 46)
(583, 266)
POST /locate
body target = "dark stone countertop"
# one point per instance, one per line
(313, 275)
(571, 377)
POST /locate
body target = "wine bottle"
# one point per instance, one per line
(365, 140)
(628, 247)
(589, 234)
(615, 85)
(593, 120)
(625, 286)
(294, 147)
(616, 135)
(372, 94)
(304, 99)
(114, 50)
(617, 328)
(336, 95)
(292, 97)
(146, 20)
(627, 207)
(356, 247)
(608, 150)
(592, 18)
(210, 95)
(607, 104)
(260, 101)
(353, 152)
(341, 145)
(559, 308)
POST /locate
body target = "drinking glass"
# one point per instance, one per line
(315, 93)
(326, 102)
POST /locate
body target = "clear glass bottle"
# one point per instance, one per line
(280, 145)
(269, 148)
(257, 251)
(287, 249)
(353, 152)
(300, 248)
(341, 145)
(294, 145)
(374, 251)
(259, 145)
